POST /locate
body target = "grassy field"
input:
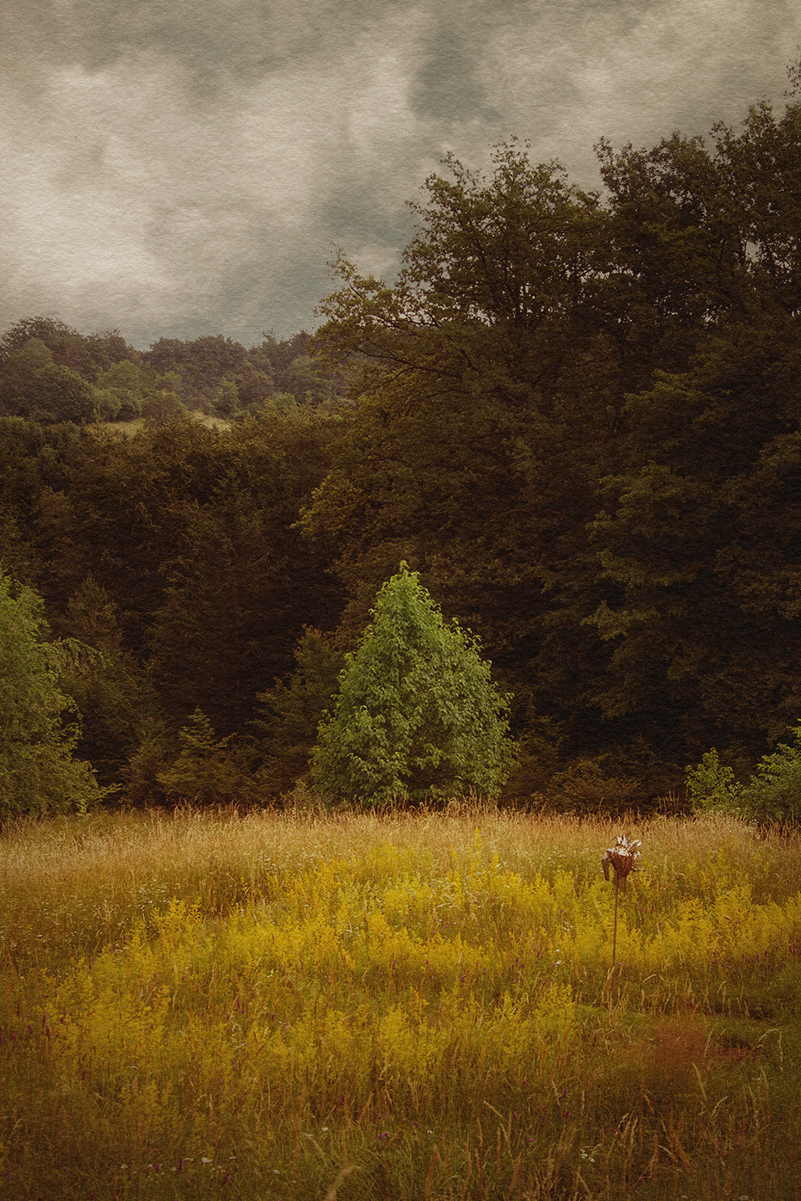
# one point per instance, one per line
(309, 1006)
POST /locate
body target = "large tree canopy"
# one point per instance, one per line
(488, 389)
(578, 417)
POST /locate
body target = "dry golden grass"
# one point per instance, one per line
(344, 1006)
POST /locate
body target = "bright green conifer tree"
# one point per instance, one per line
(417, 714)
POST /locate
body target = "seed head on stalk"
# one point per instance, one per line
(622, 857)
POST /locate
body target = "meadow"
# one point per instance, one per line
(348, 1006)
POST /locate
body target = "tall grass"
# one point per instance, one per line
(406, 1006)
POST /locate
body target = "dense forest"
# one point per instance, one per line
(576, 415)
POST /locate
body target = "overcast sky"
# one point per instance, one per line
(176, 169)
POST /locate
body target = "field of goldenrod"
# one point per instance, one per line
(412, 1006)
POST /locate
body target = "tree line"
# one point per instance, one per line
(50, 372)
(575, 415)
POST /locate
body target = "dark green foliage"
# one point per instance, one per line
(241, 581)
(289, 713)
(208, 769)
(47, 372)
(172, 555)
(37, 770)
(119, 392)
(162, 405)
(111, 690)
(697, 532)
(417, 714)
(203, 355)
(295, 370)
(34, 386)
(134, 504)
(155, 750)
(207, 368)
(88, 356)
(50, 373)
(226, 401)
(198, 367)
(581, 422)
(184, 520)
(578, 416)
(490, 390)
(212, 636)
(700, 545)
(774, 793)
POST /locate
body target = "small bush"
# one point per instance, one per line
(208, 768)
(712, 786)
(772, 794)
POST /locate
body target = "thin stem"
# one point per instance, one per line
(614, 958)
(614, 934)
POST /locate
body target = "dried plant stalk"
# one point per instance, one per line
(622, 858)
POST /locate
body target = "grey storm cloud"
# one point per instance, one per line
(177, 169)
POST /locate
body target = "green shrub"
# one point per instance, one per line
(772, 794)
(712, 786)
